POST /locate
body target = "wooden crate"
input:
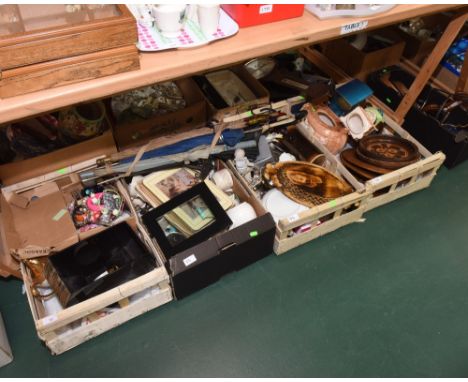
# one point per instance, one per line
(404, 181)
(386, 188)
(58, 331)
(324, 218)
(72, 326)
(396, 184)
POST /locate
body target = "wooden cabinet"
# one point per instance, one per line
(45, 46)
(30, 34)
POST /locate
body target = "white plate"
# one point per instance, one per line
(280, 206)
(150, 38)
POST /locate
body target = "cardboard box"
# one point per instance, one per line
(139, 132)
(262, 96)
(40, 225)
(357, 63)
(6, 356)
(37, 222)
(448, 78)
(15, 172)
(205, 263)
(416, 48)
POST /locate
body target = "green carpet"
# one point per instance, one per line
(388, 297)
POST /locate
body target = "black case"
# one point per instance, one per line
(72, 272)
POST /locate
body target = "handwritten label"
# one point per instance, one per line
(354, 27)
(32, 251)
(267, 8)
(189, 260)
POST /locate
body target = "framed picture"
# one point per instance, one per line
(200, 209)
(166, 185)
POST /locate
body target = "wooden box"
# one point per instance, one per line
(396, 184)
(63, 328)
(357, 63)
(70, 327)
(261, 94)
(323, 218)
(30, 34)
(45, 46)
(404, 181)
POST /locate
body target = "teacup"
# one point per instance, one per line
(169, 18)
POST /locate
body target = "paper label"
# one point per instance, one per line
(49, 319)
(376, 180)
(293, 218)
(267, 8)
(59, 214)
(32, 251)
(354, 27)
(189, 260)
(333, 203)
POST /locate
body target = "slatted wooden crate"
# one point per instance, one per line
(396, 184)
(74, 325)
(323, 219)
(389, 187)
(58, 331)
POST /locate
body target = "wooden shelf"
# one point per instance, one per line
(160, 66)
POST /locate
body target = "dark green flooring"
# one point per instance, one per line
(385, 298)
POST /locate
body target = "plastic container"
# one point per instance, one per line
(247, 15)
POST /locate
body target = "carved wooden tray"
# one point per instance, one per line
(387, 148)
(352, 161)
(305, 183)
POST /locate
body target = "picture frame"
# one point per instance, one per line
(216, 219)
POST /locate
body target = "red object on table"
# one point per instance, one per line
(247, 15)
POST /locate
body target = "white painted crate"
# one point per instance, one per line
(324, 218)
